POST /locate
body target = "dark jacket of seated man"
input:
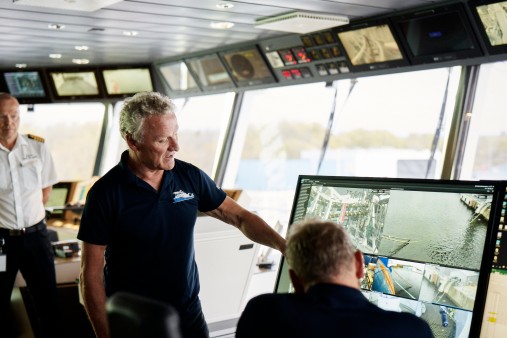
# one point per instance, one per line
(325, 269)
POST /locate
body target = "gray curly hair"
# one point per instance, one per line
(136, 108)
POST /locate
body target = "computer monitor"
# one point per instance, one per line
(425, 242)
(491, 18)
(494, 320)
(127, 81)
(74, 84)
(371, 45)
(437, 34)
(28, 86)
(59, 198)
(247, 67)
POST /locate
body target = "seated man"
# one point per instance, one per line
(325, 269)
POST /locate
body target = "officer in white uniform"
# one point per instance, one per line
(27, 174)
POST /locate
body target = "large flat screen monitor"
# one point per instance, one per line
(437, 34)
(26, 85)
(75, 84)
(121, 82)
(247, 67)
(210, 72)
(491, 18)
(371, 45)
(494, 320)
(425, 242)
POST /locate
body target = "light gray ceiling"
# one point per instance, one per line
(166, 28)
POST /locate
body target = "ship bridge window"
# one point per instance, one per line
(72, 133)
(485, 154)
(392, 125)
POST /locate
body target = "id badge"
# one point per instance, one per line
(3, 262)
(3, 257)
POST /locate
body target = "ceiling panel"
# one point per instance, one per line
(166, 28)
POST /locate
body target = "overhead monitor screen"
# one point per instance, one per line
(492, 17)
(369, 45)
(210, 72)
(25, 84)
(423, 242)
(177, 76)
(75, 83)
(248, 67)
(438, 35)
(127, 81)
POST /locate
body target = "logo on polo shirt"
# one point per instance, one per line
(180, 196)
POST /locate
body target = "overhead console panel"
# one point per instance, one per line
(297, 58)
(457, 33)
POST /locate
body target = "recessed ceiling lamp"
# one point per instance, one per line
(76, 5)
(55, 56)
(224, 5)
(301, 22)
(20, 65)
(221, 25)
(81, 48)
(130, 33)
(56, 26)
(81, 61)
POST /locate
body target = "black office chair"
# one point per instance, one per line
(134, 316)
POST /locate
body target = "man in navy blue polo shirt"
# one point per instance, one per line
(140, 217)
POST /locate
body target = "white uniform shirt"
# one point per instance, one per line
(24, 172)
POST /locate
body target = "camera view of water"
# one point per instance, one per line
(433, 227)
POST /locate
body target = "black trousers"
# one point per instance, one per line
(31, 254)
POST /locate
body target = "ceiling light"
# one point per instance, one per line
(55, 56)
(81, 47)
(76, 5)
(56, 26)
(301, 22)
(81, 61)
(20, 65)
(221, 25)
(225, 5)
(130, 33)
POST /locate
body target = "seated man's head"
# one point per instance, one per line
(322, 252)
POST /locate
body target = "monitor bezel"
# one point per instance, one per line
(435, 57)
(69, 186)
(166, 83)
(490, 49)
(500, 189)
(210, 87)
(80, 97)
(371, 66)
(124, 67)
(27, 99)
(245, 82)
